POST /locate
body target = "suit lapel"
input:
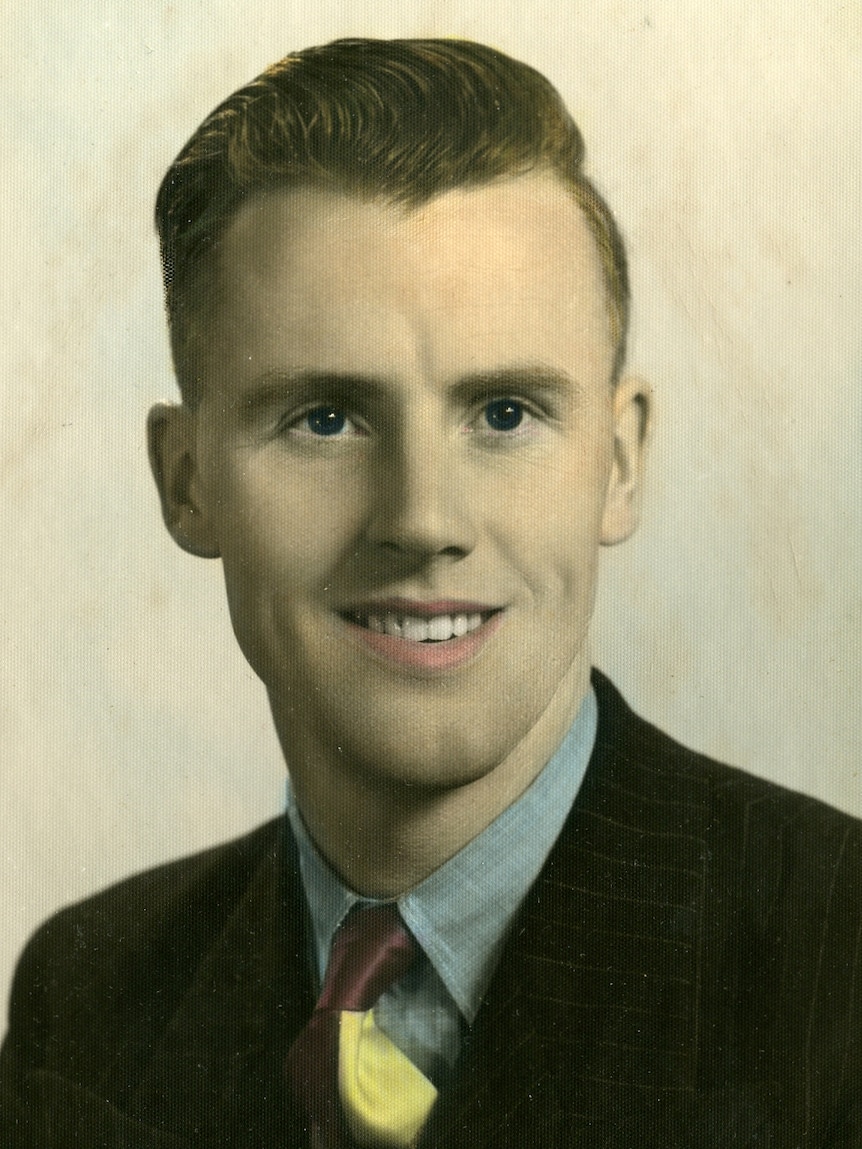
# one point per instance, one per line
(221, 1056)
(593, 1010)
(594, 1007)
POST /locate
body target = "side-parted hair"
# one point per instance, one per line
(396, 120)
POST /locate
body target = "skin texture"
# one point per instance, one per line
(460, 355)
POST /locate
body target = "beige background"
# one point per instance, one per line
(727, 137)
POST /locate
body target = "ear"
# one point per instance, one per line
(172, 442)
(632, 407)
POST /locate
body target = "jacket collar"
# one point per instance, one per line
(593, 1010)
(222, 1054)
(595, 1005)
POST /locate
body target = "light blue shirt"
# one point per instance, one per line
(461, 913)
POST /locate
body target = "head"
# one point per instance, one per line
(400, 121)
(398, 312)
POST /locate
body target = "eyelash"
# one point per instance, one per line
(296, 426)
(331, 420)
(508, 407)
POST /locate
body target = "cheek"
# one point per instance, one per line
(551, 519)
(552, 557)
(285, 522)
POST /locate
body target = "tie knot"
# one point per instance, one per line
(371, 950)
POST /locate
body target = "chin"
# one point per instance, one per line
(428, 776)
(431, 757)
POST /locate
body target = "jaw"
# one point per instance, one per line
(421, 714)
(407, 786)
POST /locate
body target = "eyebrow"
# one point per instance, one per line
(535, 379)
(273, 387)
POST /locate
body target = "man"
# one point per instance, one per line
(501, 909)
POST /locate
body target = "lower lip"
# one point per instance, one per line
(449, 655)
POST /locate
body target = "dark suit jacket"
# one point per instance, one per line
(685, 972)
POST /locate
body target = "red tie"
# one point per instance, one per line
(371, 950)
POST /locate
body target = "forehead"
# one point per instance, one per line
(471, 280)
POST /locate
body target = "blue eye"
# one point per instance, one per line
(504, 414)
(326, 421)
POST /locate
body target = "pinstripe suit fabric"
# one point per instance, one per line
(687, 971)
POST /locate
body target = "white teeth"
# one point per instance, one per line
(440, 628)
(415, 629)
(460, 625)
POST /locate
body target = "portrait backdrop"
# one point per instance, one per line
(726, 139)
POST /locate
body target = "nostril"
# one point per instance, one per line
(425, 548)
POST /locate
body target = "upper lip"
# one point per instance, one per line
(415, 609)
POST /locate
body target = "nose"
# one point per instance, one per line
(421, 497)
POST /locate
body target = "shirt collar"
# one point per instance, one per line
(461, 912)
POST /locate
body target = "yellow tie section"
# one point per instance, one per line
(386, 1099)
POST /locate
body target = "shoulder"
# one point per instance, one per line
(98, 985)
(139, 940)
(633, 753)
(177, 893)
(769, 858)
(107, 973)
(767, 881)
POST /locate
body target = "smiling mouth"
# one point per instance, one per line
(418, 628)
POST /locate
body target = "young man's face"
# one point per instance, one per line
(407, 453)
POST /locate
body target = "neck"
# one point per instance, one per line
(383, 836)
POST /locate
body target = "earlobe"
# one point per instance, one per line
(173, 457)
(632, 425)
